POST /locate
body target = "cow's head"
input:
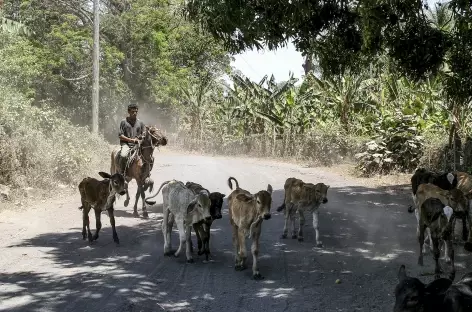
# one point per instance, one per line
(216, 199)
(199, 208)
(411, 295)
(321, 192)
(263, 202)
(118, 183)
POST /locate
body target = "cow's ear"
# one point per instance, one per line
(104, 175)
(191, 206)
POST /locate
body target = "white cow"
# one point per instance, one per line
(182, 206)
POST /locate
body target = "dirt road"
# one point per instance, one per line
(367, 233)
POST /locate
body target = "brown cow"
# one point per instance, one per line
(300, 196)
(246, 213)
(100, 195)
(438, 217)
(140, 164)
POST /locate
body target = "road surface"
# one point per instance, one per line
(367, 234)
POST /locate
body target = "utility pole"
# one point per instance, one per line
(96, 66)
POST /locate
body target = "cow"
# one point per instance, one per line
(185, 208)
(216, 199)
(438, 296)
(100, 195)
(454, 198)
(438, 218)
(445, 181)
(300, 196)
(246, 213)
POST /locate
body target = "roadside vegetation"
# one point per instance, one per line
(383, 107)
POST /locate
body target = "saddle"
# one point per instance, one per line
(123, 164)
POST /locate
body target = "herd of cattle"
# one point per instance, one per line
(439, 199)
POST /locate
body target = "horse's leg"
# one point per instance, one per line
(143, 189)
(127, 194)
(138, 193)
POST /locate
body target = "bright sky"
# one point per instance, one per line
(255, 65)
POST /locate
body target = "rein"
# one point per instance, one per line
(137, 151)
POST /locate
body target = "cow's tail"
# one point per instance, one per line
(146, 200)
(282, 207)
(411, 209)
(231, 185)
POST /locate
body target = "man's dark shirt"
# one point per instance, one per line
(131, 131)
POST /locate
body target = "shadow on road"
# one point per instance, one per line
(367, 234)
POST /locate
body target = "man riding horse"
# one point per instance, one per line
(134, 159)
(131, 129)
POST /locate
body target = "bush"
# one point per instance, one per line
(397, 146)
(40, 149)
(436, 153)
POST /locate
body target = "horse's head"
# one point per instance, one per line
(154, 136)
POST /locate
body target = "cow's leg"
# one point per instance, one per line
(206, 239)
(301, 224)
(315, 226)
(188, 236)
(421, 241)
(182, 236)
(427, 239)
(86, 223)
(286, 220)
(111, 215)
(166, 232)
(98, 213)
(255, 253)
(197, 229)
(450, 255)
(446, 249)
(293, 219)
(437, 268)
(242, 251)
(235, 238)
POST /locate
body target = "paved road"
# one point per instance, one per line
(367, 234)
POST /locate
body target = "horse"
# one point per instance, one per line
(139, 164)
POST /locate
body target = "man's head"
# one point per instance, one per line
(132, 110)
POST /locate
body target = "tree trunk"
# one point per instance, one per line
(308, 64)
(467, 164)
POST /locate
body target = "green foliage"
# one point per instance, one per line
(396, 146)
(39, 148)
